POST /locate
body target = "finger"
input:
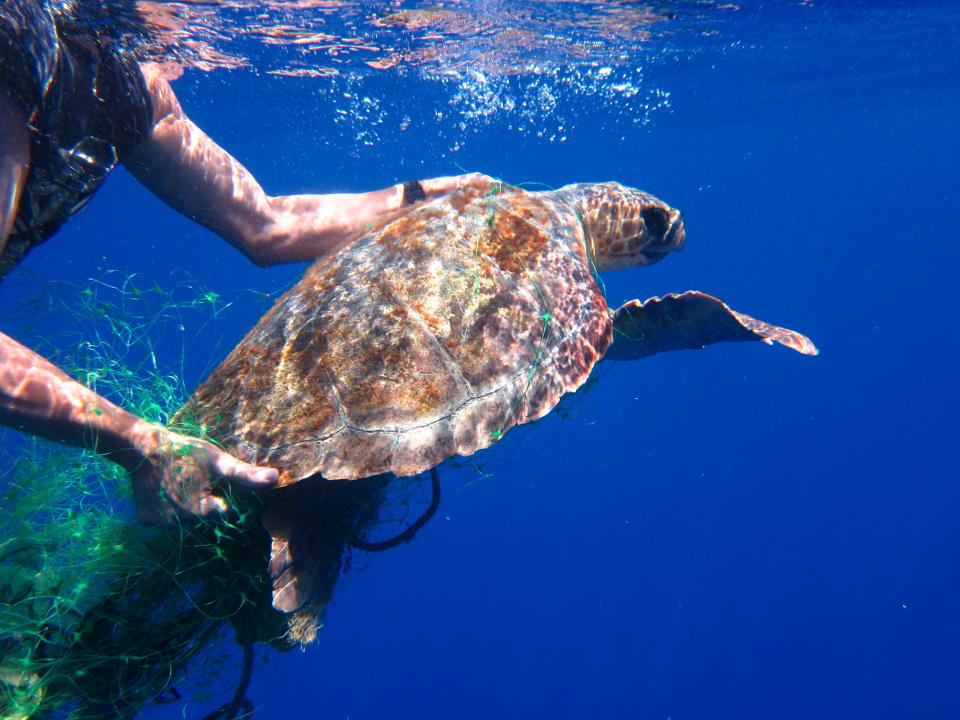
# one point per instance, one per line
(212, 504)
(258, 477)
(243, 473)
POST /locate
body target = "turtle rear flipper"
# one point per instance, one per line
(690, 321)
(310, 524)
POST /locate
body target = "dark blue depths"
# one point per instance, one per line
(740, 532)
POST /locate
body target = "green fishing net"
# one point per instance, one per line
(100, 615)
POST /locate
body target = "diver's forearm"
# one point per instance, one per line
(39, 398)
(190, 172)
(198, 178)
(304, 227)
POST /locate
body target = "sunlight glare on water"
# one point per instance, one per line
(534, 66)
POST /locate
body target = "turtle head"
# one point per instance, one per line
(625, 227)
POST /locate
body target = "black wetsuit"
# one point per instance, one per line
(86, 104)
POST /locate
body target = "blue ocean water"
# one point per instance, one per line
(740, 532)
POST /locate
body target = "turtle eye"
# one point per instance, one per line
(656, 220)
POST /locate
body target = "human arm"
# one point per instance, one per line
(172, 475)
(186, 169)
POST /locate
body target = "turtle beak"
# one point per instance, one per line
(676, 235)
(672, 239)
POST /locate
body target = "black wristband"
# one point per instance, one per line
(413, 192)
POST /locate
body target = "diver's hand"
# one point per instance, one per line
(175, 476)
(435, 187)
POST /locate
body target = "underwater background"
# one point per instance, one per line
(741, 532)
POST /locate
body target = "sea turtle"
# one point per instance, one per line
(435, 332)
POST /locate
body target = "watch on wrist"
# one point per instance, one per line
(413, 192)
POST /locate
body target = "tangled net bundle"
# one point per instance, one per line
(100, 616)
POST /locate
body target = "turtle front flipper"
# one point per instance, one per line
(690, 321)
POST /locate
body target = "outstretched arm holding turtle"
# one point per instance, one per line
(195, 176)
(173, 475)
